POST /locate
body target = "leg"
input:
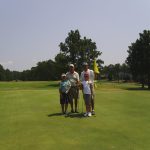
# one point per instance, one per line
(62, 107)
(89, 105)
(86, 100)
(71, 104)
(62, 103)
(92, 103)
(70, 96)
(76, 105)
(66, 102)
(87, 108)
(76, 96)
(66, 107)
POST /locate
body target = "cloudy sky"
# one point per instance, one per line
(31, 30)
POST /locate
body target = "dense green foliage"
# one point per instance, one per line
(116, 72)
(30, 118)
(50, 70)
(77, 50)
(139, 58)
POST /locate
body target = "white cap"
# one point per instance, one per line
(85, 64)
(63, 75)
(71, 65)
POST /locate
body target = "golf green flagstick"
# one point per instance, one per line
(82, 105)
(78, 100)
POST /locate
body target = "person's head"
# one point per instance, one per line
(86, 76)
(71, 68)
(85, 66)
(63, 76)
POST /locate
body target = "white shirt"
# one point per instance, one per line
(73, 78)
(86, 87)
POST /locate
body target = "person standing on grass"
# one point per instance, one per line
(91, 78)
(64, 88)
(73, 77)
(87, 90)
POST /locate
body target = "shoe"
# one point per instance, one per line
(89, 114)
(93, 112)
(85, 114)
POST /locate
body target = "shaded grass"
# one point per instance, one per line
(31, 119)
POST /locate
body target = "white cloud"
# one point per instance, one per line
(34, 60)
(7, 63)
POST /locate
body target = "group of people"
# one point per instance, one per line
(69, 88)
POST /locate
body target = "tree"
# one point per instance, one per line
(8, 75)
(125, 73)
(61, 63)
(26, 75)
(139, 58)
(77, 50)
(110, 72)
(45, 70)
(117, 71)
(2, 73)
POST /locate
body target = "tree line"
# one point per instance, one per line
(77, 50)
(50, 70)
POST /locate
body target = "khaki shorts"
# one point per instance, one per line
(74, 92)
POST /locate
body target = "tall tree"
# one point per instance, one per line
(139, 58)
(61, 62)
(78, 50)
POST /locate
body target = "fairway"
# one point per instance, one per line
(30, 118)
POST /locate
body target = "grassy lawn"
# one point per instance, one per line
(30, 118)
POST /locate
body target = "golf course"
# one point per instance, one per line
(31, 119)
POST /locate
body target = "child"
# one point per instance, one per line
(87, 89)
(64, 88)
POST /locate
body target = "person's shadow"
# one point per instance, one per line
(71, 115)
(54, 114)
(75, 115)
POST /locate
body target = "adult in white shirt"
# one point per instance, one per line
(73, 77)
(86, 70)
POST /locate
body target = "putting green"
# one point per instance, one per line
(30, 118)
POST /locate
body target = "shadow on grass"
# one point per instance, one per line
(69, 115)
(54, 114)
(137, 89)
(75, 115)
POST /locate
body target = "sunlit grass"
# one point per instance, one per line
(30, 118)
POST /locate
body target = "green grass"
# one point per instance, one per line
(30, 119)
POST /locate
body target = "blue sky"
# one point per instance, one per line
(31, 30)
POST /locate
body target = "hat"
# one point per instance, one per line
(63, 75)
(85, 64)
(71, 65)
